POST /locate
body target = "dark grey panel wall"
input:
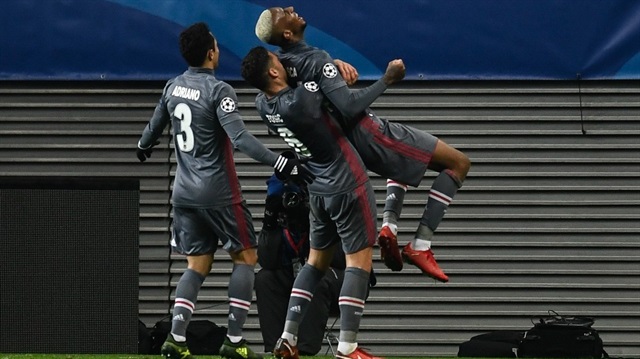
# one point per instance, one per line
(548, 218)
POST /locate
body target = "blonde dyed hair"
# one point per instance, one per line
(264, 26)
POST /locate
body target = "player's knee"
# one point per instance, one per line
(200, 263)
(465, 165)
(361, 259)
(248, 256)
(458, 171)
(201, 268)
(446, 157)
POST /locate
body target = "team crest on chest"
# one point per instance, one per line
(329, 70)
(227, 104)
(311, 86)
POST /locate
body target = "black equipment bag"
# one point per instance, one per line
(203, 337)
(497, 344)
(144, 339)
(556, 336)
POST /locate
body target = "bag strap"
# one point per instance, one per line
(553, 318)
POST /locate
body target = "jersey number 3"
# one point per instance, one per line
(184, 138)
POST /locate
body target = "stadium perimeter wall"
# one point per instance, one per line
(548, 219)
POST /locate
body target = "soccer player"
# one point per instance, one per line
(341, 197)
(207, 201)
(395, 151)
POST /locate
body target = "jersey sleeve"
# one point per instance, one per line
(157, 123)
(325, 72)
(231, 121)
(226, 105)
(348, 101)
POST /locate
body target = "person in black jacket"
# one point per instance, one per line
(283, 247)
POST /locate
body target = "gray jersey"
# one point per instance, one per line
(392, 150)
(207, 126)
(306, 63)
(298, 116)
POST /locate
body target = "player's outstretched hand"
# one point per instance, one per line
(144, 153)
(289, 167)
(395, 71)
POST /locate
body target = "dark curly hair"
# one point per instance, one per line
(195, 42)
(255, 67)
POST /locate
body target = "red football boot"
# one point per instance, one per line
(425, 261)
(389, 250)
(357, 354)
(284, 350)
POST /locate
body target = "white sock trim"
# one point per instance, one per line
(179, 338)
(292, 339)
(421, 244)
(234, 338)
(347, 348)
(392, 227)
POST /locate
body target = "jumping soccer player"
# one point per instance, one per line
(395, 151)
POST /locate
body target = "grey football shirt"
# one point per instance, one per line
(307, 63)
(389, 149)
(297, 115)
(206, 127)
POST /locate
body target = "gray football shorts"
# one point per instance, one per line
(349, 217)
(393, 150)
(197, 230)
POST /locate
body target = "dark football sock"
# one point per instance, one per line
(240, 294)
(185, 302)
(393, 202)
(441, 194)
(301, 295)
(351, 302)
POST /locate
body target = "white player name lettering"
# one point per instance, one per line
(274, 118)
(185, 92)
